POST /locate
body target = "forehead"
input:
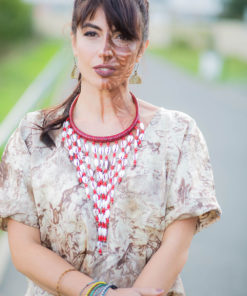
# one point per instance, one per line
(98, 18)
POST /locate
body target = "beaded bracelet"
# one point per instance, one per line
(58, 282)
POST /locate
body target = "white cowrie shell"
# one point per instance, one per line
(80, 155)
(130, 138)
(107, 213)
(142, 125)
(75, 149)
(85, 180)
(90, 172)
(121, 155)
(105, 177)
(96, 162)
(101, 150)
(99, 204)
(85, 147)
(107, 150)
(123, 144)
(95, 197)
(111, 174)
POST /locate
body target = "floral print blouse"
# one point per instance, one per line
(173, 180)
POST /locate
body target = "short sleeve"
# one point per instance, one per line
(191, 192)
(16, 195)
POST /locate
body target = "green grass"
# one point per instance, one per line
(234, 69)
(183, 57)
(19, 67)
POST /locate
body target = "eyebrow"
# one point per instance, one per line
(91, 26)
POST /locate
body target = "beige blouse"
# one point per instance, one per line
(173, 180)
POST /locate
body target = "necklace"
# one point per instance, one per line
(100, 163)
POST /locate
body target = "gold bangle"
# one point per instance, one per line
(58, 282)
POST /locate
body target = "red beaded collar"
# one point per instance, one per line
(109, 138)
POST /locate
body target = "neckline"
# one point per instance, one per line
(156, 113)
(106, 138)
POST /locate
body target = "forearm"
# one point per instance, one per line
(162, 269)
(44, 267)
(165, 265)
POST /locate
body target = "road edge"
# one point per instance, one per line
(4, 254)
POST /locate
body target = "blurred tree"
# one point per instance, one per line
(15, 20)
(234, 8)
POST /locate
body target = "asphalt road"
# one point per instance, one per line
(217, 261)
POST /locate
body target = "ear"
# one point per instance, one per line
(74, 44)
(142, 50)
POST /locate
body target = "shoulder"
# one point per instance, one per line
(29, 122)
(177, 118)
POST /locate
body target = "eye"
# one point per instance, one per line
(122, 37)
(90, 34)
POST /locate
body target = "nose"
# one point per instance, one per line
(106, 50)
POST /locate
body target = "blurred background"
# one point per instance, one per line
(196, 63)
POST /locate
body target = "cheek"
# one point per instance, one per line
(126, 57)
(86, 52)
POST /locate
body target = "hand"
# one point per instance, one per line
(134, 292)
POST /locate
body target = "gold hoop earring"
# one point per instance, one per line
(74, 75)
(135, 78)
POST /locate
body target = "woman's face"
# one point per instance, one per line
(105, 58)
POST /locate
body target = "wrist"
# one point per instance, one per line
(111, 292)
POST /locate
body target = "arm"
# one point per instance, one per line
(164, 266)
(40, 264)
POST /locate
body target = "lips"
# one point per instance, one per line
(104, 70)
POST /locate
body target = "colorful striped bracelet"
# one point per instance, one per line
(86, 287)
(93, 287)
(97, 290)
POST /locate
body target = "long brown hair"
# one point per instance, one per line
(130, 17)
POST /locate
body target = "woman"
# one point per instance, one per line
(104, 195)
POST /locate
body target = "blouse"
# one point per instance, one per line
(173, 180)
